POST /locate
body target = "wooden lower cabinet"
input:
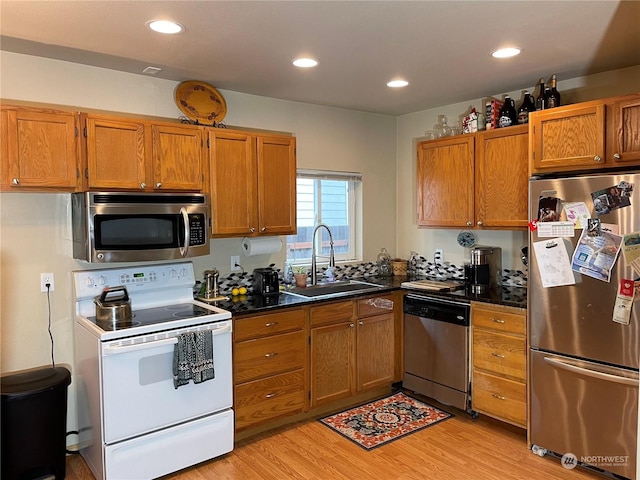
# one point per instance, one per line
(499, 362)
(270, 359)
(352, 347)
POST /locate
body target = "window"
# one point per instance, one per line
(332, 198)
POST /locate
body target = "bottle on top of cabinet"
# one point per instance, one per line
(525, 108)
(541, 99)
(508, 115)
(553, 97)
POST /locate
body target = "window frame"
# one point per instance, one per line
(354, 210)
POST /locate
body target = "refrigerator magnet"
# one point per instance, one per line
(612, 198)
(624, 302)
(577, 212)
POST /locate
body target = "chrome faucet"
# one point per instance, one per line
(332, 260)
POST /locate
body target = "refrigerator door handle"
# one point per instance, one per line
(592, 373)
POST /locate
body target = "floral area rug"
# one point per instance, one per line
(377, 423)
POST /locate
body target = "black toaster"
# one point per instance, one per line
(265, 281)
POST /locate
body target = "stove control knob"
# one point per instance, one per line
(173, 273)
(102, 280)
(89, 282)
(184, 272)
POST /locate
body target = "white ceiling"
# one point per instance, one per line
(441, 47)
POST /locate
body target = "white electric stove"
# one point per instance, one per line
(133, 422)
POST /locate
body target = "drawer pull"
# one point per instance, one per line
(271, 324)
(499, 355)
(270, 395)
(270, 355)
(499, 397)
(497, 320)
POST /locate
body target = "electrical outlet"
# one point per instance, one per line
(44, 279)
(438, 256)
(235, 260)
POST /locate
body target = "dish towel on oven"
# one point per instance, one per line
(193, 358)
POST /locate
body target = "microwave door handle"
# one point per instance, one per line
(187, 232)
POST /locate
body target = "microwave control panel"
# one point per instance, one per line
(197, 229)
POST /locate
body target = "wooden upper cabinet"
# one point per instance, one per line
(623, 131)
(232, 185)
(276, 160)
(252, 184)
(177, 156)
(567, 138)
(130, 154)
(116, 153)
(445, 182)
(40, 149)
(502, 178)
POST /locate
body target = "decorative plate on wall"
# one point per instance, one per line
(200, 102)
(467, 239)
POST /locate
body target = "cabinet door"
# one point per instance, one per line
(445, 182)
(115, 153)
(232, 184)
(375, 351)
(332, 362)
(40, 149)
(276, 185)
(177, 157)
(567, 138)
(623, 131)
(502, 178)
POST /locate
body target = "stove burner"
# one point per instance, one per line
(119, 325)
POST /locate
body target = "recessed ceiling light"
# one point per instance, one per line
(397, 83)
(305, 62)
(165, 26)
(506, 52)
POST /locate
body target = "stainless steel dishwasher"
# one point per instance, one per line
(436, 349)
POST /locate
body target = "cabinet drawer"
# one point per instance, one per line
(263, 325)
(497, 319)
(498, 353)
(375, 306)
(500, 398)
(266, 399)
(331, 313)
(269, 355)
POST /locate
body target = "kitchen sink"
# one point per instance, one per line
(333, 289)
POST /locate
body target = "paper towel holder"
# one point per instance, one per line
(261, 245)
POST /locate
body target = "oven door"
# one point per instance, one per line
(137, 384)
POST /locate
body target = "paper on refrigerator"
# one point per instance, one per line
(553, 263)
(595, 255)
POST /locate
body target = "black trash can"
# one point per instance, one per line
(34, 423)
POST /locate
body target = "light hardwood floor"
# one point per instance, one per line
(456, 449)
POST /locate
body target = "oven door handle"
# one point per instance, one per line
(187, 232)
(119, 349)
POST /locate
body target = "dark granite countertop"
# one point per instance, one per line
(252, 304)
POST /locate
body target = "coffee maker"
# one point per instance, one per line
(485, 270)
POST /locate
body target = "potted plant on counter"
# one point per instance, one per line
(300, 274)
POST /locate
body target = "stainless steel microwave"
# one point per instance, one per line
(133, 227)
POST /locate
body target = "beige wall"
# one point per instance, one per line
(35, 231)
(412, 126)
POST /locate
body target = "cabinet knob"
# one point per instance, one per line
(252, 230)
(271, 355)
(617, 156)
(143, 185)
(597, 159)
(360, 322)
(159, 185)
(351, 325)
(263, 229)
(469, 224)
(16, 181)
(480, 223)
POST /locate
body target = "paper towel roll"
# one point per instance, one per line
(261, 245)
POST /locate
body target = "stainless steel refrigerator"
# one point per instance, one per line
(583, 396)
